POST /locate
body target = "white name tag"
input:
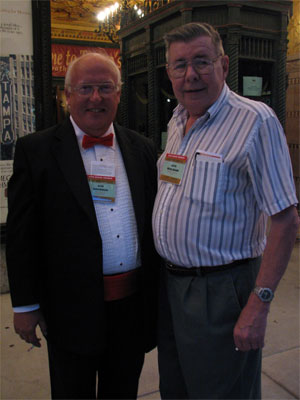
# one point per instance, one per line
(173, 168)
(102, 181)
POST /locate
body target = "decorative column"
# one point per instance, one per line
(156, 111)
(42, 64)
(152, 112)
(280, 83)
(124, 103)
(232, 50)
(232, 44)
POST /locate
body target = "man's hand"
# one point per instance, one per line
(249, 331)
(25, 325)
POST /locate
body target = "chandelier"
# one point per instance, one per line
(112, 18)
(120, 14)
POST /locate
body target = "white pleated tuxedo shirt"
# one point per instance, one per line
(116, 221)
(218, 213)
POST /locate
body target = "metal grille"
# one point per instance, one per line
(137, 63)
(160, 57)
(257, 48)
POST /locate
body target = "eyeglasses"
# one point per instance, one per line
(103, 89)
(202, 66)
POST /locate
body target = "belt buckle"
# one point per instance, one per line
(173, 268)
(170, 266)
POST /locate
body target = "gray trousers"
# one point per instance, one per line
(196, 351)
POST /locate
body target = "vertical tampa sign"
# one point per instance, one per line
(7, 133)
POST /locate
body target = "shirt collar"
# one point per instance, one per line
(215, 107)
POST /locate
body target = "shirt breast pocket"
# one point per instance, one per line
(205, 182)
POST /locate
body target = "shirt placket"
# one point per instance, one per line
(179, 147)
(169, 192)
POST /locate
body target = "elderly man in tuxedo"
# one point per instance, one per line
(80, 253)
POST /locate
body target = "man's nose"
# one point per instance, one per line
(96, 94)
(191, 73)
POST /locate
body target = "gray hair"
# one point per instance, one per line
(190, 31)
(103, 56)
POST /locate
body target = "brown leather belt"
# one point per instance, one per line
(119, 286)
(193, 271)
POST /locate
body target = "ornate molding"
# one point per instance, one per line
(74, 34)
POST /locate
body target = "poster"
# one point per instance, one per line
(5, 174)
(63, 54)
(252, 85)
(17, 111)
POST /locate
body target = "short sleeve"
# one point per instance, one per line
(270, 169)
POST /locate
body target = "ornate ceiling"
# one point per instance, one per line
(76, 19)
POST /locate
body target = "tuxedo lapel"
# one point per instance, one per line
(133, 162)
(65, 150)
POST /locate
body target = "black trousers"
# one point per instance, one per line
(112, 375)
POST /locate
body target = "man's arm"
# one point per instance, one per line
(23, 232)
(249, 331)
(22, 244)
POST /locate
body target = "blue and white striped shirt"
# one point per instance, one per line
(218, 213)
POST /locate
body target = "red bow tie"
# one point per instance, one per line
(90, 141)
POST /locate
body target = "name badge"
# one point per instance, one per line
(103, 188)
(102, 182)
(173, 168)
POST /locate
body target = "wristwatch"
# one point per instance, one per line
(265, 294)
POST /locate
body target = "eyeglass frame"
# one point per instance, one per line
(94, 86)
(187, 63)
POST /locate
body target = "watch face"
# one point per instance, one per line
(265, 294)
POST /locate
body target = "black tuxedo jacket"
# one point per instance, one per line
(54, 254)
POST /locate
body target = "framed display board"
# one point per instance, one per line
(25, 79)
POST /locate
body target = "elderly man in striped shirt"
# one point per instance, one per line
(225, 170)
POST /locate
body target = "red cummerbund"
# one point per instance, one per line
(119, 286)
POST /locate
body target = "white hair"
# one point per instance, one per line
(103, 56)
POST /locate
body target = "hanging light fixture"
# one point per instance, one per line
(112, 18)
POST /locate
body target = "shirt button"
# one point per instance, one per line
(121, 264)
(111, 209)
(118, 236)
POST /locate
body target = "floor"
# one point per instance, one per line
(24, 372)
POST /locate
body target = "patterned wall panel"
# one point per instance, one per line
(259, 20)
(213, 15)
